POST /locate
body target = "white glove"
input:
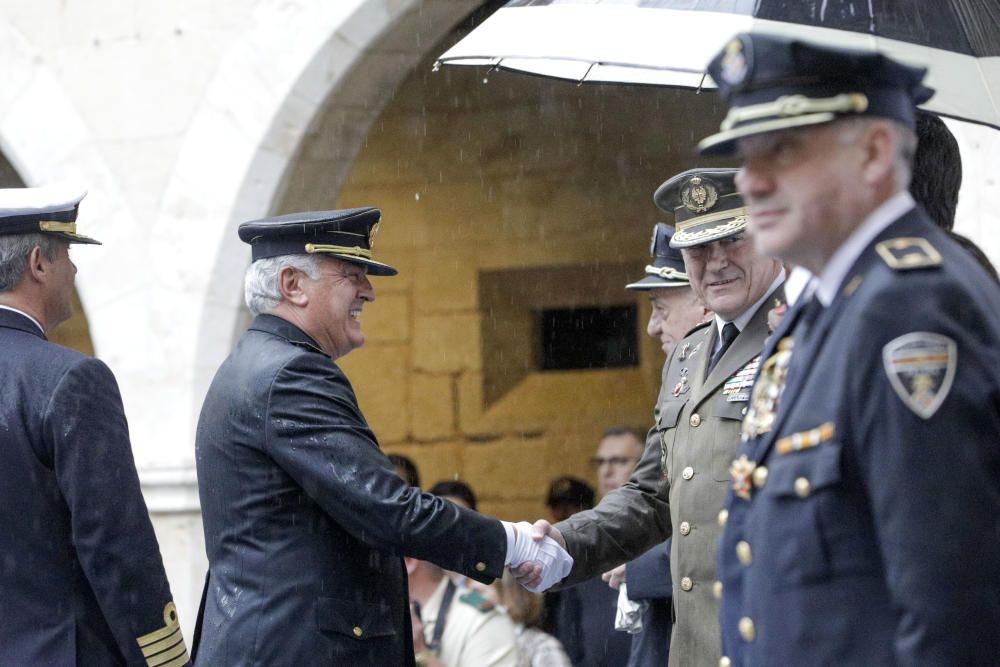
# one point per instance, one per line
(628, 618)
(552, 558)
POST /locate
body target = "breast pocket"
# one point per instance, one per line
(729, 419)
(666, 423)
(801, 495)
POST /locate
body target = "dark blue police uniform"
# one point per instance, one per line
(648, 579)
(81, 578)
(862, 526)
(306, 521)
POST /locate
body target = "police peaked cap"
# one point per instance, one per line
(775, 83)
(667, 269)
(347, 234)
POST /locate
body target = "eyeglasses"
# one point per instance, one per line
(616, 461)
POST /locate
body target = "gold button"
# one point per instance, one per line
(724, 661)
(695, 420)
(743, 552)
(480, 566)
(717, 590)
(747, 630)
(685, 528)
(802, 487)
(723, 517)
(687, 584)
(760, 476)
(687, 473)
(358, 631)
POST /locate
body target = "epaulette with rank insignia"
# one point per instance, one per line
(906, 253)
(476, 600)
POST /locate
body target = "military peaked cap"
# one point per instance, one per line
(47, 210)
(667, 269)
(705, 205)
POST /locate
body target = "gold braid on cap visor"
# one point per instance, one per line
(666, 272)
(796, 105)
(52, 226)
(354, 251)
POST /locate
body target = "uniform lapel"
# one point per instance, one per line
(707, 342)
(747, 345)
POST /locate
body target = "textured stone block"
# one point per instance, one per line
(432, 406)
(446, 343)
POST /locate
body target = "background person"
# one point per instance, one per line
(681, 480)
(81, 578)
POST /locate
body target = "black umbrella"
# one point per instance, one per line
(668, 42)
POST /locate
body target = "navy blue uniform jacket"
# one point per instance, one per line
(875, 538)
(306, 520)
(81, 579)
(648, 578)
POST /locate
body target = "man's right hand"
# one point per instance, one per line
(532, 574)
(616, 577)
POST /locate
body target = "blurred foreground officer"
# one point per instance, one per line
(680, 482)
(305, 518)
(864, 512)
(81, 579)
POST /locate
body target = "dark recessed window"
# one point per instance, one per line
(576, 338)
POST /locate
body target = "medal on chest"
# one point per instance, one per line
(767, 392)
(737, 387)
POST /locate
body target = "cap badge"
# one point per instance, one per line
(734, 63)
(699, 196)
(921, 369)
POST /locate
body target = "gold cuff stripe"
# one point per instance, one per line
(179, 651)
(666, 272)
(163, 644)
(805, 439)
(53, 226)
(179, 661)
(796, 105)
(356, 251)
(712, 217)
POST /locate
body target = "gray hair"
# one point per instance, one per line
(906, 143)
(14, 251)
(260, 285)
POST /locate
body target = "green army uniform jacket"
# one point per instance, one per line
(679, 485)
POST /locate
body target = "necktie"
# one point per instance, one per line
(729, 334)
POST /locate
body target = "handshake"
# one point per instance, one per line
(536, 555)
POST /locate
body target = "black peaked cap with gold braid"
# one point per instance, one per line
(775, 83)
(667, 269)
(49, 210)
(347, 234)
(705, 205)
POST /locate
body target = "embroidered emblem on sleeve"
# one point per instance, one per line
(921, 368)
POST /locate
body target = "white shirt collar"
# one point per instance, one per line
(847, 254)
(743, 320)
(21, 312)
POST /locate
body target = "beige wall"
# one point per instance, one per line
(545, 180)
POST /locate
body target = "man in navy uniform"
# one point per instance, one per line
(680, 482)
(306, 521)
(81, 578)
(863, 523)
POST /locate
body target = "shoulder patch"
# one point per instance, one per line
(905, 253)
(921, 368)
(476, 600)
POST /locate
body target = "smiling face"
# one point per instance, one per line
(805, 190)
(729, 275)
(676, 310)
(335, 299)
